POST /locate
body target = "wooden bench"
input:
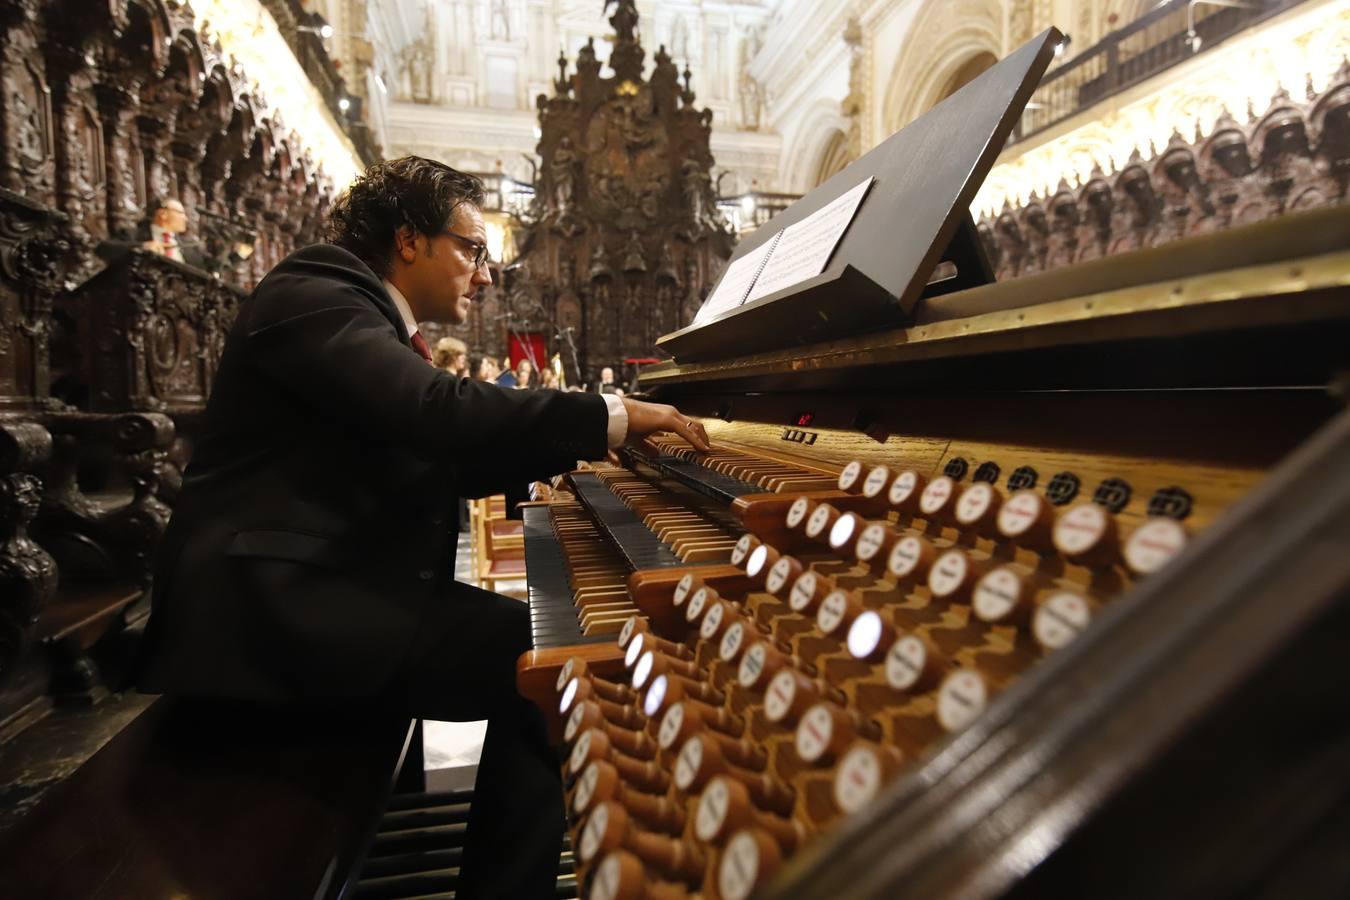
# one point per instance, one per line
(212, 800)
(499, 542)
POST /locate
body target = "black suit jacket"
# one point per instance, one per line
(316, 520)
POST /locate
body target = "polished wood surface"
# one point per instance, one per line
(537, 675)
(1207, 293)
(211, 801)
(652, 590)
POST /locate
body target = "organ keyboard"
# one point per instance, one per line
(908, 624)
(1034, 589)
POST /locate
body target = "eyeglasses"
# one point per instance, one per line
(480, 250)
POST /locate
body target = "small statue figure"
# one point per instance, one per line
(697, 190)
(652, 190)
(624, 19)
(600, 270)
(752, 102)
(501, 22)
(634, 254)
(419, 61)
(567, 272)
(563, 169)
(665, 78)
(586, 55)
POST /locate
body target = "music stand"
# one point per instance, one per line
(915, 216)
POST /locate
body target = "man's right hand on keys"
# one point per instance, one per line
(648, 418)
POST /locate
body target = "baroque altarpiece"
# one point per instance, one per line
(626, 234)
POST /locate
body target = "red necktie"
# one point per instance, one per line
(419, 344)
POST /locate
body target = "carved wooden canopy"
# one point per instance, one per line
(626, 233)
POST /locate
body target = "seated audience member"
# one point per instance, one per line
(525, 375)
(607, 385)
(451, 355)
(484, 368)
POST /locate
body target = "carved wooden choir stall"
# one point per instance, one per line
(144, 185)
(1295, 155)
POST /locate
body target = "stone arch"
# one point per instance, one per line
(971, 69)
(834, 156)
(805, 146)
(946, 41)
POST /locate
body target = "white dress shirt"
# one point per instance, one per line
(617, 431)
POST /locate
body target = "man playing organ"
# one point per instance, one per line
(310, 559)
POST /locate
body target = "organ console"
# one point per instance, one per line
(1035, 593)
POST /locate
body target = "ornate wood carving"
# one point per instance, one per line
(102, 534)
(110, 107)
(148, 333)
(626, 233)
(33, 255)
(27, 134)
(1294, 156)
(106, 108)
(27, 572)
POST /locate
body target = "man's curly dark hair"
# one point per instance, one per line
(413, 191)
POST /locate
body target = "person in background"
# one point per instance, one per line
(548, 379)
(607, 385)
(167, 235)
(484, 368)
(451, 354)
(525, 374)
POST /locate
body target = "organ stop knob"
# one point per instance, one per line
(1060, 618)
(1027, 519)
(725, 807)
(1088, 534)
(1153, 545)
(905, 490)
(750, 858)
(862, 771)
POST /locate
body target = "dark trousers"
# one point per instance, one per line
(515, 495)
(463, 668)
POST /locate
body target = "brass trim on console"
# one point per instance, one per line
(1205, 302)
(1181, 292)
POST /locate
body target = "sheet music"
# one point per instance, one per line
(736, 282)
(804, 249)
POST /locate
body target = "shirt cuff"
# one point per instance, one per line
(618, 420)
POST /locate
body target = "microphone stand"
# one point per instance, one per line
(526, 346)
(572, 348)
